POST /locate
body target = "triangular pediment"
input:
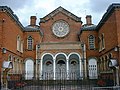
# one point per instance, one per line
(60, 10)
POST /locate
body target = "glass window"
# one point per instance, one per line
(30, 43)
(18, 43)
(103, 41)
(22, 46)
(91, 42)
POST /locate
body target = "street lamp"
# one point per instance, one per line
(4, 50)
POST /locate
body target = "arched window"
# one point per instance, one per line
(22, 46)
(29, 69)
(18, 43)
(29, 43)
(102, 41)
(99, 43)
(10, 58)
(91, 42)
(110, 55)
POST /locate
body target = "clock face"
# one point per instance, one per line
(60, 28)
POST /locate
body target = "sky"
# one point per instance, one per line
(40, 8)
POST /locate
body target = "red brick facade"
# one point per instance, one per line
(106, 35)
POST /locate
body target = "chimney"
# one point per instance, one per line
(88, 20)
(33, 20)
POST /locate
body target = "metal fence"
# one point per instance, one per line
(62, 81)
(47, 82)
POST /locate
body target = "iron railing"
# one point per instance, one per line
(47, 81)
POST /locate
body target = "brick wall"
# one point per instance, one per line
(84, 37)
(50, 37)
(36, 40)
(9, 30)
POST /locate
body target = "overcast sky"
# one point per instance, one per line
(26, 8)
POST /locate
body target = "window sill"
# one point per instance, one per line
(93, 49)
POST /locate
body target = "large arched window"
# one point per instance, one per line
(29, 69)
(29, 43)
(91, 42)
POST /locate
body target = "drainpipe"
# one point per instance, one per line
(84, 60)
(37, 60)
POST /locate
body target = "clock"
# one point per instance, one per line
(60, 28)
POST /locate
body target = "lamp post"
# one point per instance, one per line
(6, 66)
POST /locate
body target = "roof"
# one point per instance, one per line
(35, 28)
(12, 15)
(88, 27)
(109, 11)
(30, 28)
(62, 10)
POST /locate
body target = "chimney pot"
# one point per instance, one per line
(33, 20)
(88, 20)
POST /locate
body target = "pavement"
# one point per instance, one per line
(5, 89)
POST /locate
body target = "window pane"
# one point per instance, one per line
(91, 42)
(30, 42)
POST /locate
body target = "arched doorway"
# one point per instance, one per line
(47, 72)
(61, 72)
(92, 67)
(29, 69)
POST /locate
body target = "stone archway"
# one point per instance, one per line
(61, 68)
(47, 67)
(74, 66)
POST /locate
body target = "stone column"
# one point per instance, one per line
(54, 71)
(34, 70)
(67, 68)
(117, 76)
(41, 73)
(13, 70)
(85, 70)
(81, 68)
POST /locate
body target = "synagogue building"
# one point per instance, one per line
(60, 46)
